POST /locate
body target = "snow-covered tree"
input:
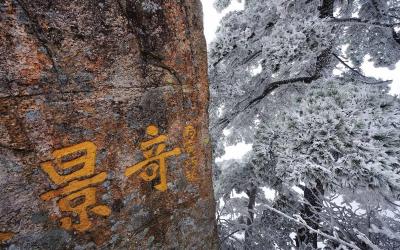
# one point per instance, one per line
(345, 135)
(274, 43)
(269, 63)
(337, 138)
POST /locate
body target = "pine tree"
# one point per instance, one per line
(271, 71)
(338, 138)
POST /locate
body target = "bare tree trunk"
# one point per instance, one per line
(252, 194)
(312, 196)
(326, 8)
(310, 214)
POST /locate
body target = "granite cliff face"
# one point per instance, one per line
(104, 129)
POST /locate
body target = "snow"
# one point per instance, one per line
(269, 193)
(211, 17)
(235, 152)
(384, 74)
(335, 130)
(256, 70)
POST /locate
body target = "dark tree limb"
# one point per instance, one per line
(223, 122)
(362, 22)
(396, 36)
(251, 193)
(348, 66)
(251, 57)
(358, 72)
(274, 85)
(322, 61)
(310, 214)
(325, 10)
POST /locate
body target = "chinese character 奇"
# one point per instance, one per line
(155, 157)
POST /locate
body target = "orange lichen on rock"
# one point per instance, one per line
(30, 57)
(4, 236)
(33, 65)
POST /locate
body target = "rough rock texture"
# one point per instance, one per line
(83, 86)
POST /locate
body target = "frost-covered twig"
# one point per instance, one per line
(301, 221)
(365, 239)
(358, 72)
(385, 231)
(359, 21)
(348, 66)
(229, 235)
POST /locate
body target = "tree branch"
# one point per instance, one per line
(267, 90)
(358, 72)
(365, 239)
(300, 221)
(229, 235)
(395, 36)
(359, 21)
(347, 66)
(274, 85)
(251, 57)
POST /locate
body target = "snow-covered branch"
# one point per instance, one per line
(301, 222)
(359, 21)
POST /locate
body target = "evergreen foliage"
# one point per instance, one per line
(325, 166)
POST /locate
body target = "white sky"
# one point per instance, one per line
(235, 152)
(383, 74)
(211, 22)
(212, 17)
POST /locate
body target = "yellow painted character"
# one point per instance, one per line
(78, 196)
(155, 159)
(191, 163)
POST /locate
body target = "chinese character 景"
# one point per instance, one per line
(77, 194)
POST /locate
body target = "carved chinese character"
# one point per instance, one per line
(191, 163)
(155, 155)
(78, 197)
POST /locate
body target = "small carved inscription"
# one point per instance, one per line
(191, 163)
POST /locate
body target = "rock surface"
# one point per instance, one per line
(104, 128)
